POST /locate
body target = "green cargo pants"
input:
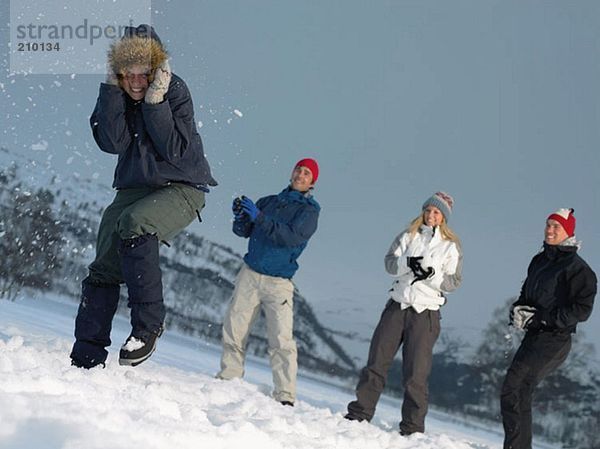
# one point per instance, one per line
(162, 211)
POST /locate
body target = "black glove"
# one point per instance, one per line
(424, 274)
(430, 271)
(414, 263)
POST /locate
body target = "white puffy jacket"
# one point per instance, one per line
(443, 255)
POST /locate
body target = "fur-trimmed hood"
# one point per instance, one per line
(136, 50)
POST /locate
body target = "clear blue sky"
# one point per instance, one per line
(495, 102)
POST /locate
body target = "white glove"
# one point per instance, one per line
(160, 84)
(520, 316)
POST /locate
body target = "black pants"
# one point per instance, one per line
(417, 333)
(540, 353)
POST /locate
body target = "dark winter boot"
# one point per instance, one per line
(136, 350)
(141, 272)
(93, 323)
(353, 417)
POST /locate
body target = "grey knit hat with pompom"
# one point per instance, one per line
(443, 201)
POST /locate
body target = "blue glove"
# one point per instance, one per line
(250, 208)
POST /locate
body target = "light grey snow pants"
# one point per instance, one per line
(275, 295)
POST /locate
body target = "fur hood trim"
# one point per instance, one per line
(136, 50)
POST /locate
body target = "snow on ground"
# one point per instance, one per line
(173, 400)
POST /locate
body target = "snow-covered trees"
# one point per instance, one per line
(30, 238)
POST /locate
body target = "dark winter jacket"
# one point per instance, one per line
(561, 286)
(280, 233)
(156, 143)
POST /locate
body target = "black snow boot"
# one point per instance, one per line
(136, 350)
(352, 417)
(141, 272)
(93, 323)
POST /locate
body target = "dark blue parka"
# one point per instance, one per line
(280, 233)
(156, 143)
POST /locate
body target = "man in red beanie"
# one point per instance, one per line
(278, 228)
(557, 294)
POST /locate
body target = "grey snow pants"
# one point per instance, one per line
(417, 333)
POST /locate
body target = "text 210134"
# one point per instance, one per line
(38, 46)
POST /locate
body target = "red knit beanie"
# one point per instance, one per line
(312, 165)
(566, 219)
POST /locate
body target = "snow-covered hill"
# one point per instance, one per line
(199, 276)
(173, 401)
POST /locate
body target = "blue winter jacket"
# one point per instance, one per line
(156, 143)
(280, 233)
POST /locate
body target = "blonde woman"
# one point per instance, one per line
(426, 260)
